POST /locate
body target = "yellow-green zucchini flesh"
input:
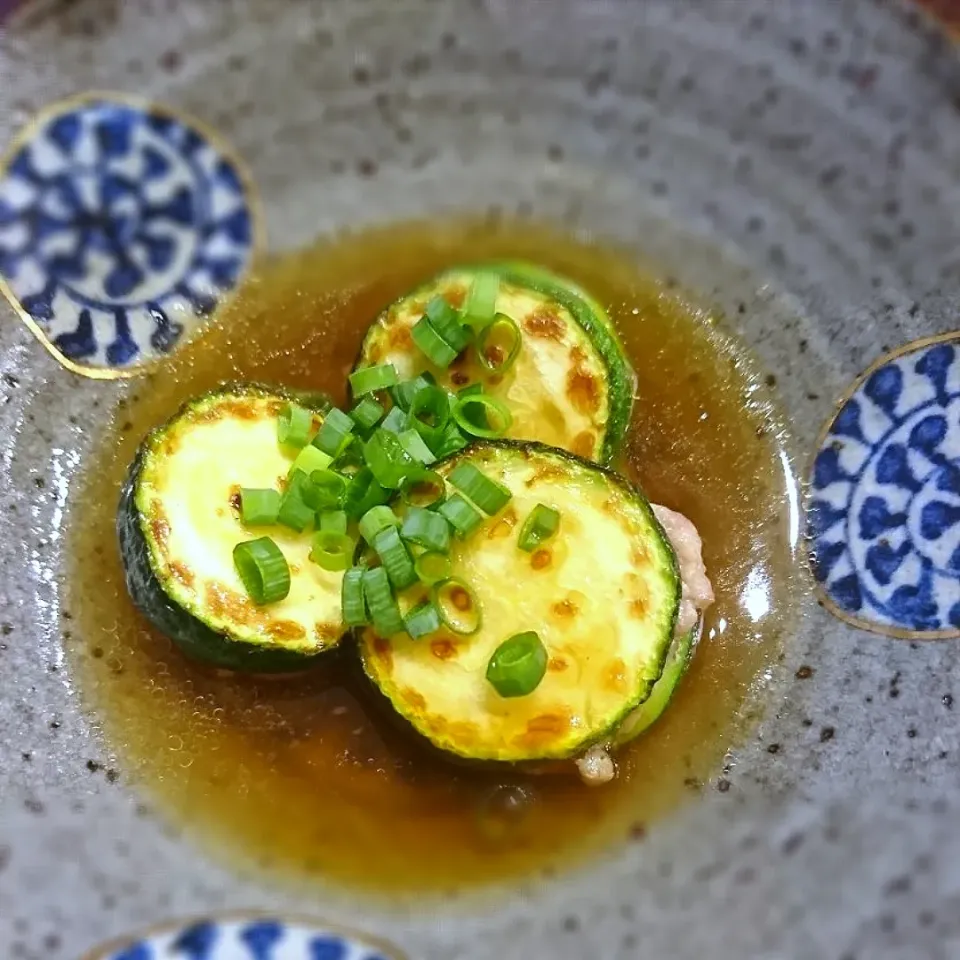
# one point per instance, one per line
(602, 594)
(179, 521)
(571, 386)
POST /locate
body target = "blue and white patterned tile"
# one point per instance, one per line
(122, 226)
(884, 510)
(260, 938)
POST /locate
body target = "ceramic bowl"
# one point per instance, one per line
(796, 166)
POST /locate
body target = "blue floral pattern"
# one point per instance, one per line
(255, 939)
(884, 516)
(120, 229)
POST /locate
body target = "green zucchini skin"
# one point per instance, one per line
(588, 314)
(191, 635)
(646, 715)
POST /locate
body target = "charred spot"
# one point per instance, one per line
(584, 444)
(160, 530)
(541, 559)
(443, 649)
(182, 573)
(381, 647)
(455, 295)
(241, 409)
(544, 323)
(494, 355)
(615, 676)
(583, 388)
(564, 609)
(460, 599)
(326, 633)
(504, 526)
(235, 498)
(638, 555)
(459, 379)
(546, 727)
(557, 664)
(400, 338)
(413, 698)
(223, 602)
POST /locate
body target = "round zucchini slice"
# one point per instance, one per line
(571, 385)
(678, 659)
(602, 594)
(178, 523)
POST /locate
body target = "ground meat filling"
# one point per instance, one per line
(596, 766)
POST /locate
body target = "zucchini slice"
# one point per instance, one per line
(571, 385)
(602, 594)
(678, 659)
(178, 524)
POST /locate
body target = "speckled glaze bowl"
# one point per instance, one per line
(795, 164)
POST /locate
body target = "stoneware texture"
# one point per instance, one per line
(795, 163)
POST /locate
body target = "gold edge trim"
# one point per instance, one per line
(389, 950)
(895, 633)
(220, 144)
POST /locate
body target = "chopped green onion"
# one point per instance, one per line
(349, 461)
(363, 492)
(481, 304)
(352, 604)
(294, 425)
(432, 567)
(387, 459)
(518, 665)
(425, 489)
(309, 460)
(329, 489)
(332, 521)
(489, 495)
(457, 605)
(395, 421)
(376, 519)
(446, 321)
(450, 441)
(412, 442)
(332, 551)
(461, 515)
(498, 345)
(404, 392)
(370, 379)
(479, 417)
(467, 411)
(422, 620)
(426, 529)
(263, 570)
(436, 349)
(381, 603)
(429, 413)
(334, 433)
(295, 511)
(258, 508)
(395, 558)
(367, 414)
(541, 525)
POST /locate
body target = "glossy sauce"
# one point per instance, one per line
(312, 776)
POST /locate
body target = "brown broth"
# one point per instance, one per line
(311, 775)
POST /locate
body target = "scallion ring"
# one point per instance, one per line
(258, 508)
(371, 379)
(518, 665)
(498, 344)
(381, 602)
(331, 550)
(467, 409)
(426, 489)
(294, 425)
(263, 570)
(542, 523)
(457, 605)
(433, 567)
